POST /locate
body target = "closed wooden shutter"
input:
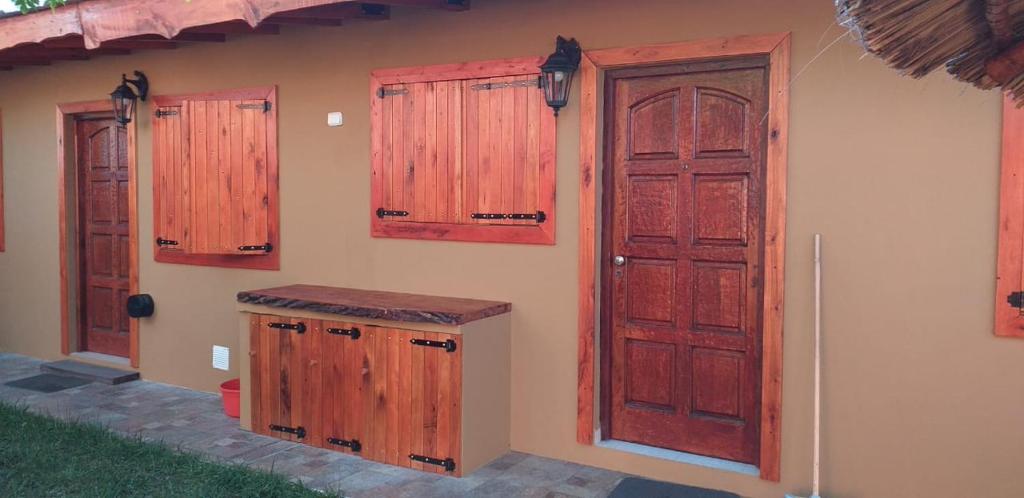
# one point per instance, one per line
(170, 172)
(1009, 315)
(227, 176)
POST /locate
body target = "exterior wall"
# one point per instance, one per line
(900, 176)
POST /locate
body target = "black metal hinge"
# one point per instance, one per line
(160, 113)
(447, 463)
(532, 82)
(381, 212)
(448, 344)
(384, 92)
(299, 328)
(353, 332)
(268, 247)
(265, 106)
(299, 431)
(353, 444)
(539, 216)
(1016, 299)
(164, 242)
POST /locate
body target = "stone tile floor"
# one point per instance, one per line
(194, 422)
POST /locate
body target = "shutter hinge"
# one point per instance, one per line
(1016, 299)
(383, 92)
(447, 463)
(539, 216)
(268, 247)
(532, 82)
(448, 344)
(160, 113)
(381, 212)
(161, 242)
(265, 106)
(353, 332)
(352, 444)
(299, 328)
(299, 432)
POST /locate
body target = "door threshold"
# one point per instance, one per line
(679, 456)
(109, 359)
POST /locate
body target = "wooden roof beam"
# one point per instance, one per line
(333, 15)
(183, 37)
(437, 4)
(140, 45)
(235, 28)
(997, 13)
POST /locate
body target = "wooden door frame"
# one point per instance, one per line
(777, 48)
(66, 115)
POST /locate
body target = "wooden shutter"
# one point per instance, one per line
(227, 176)
(504, 163)
(1009, 317)
(421, 131)
(170, 172)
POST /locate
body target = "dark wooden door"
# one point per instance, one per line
(104, 263)
(683, 256)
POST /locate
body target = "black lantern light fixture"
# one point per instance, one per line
(557, 72)
(124, 98)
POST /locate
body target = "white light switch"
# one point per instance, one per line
(335, 119)
(221, 358)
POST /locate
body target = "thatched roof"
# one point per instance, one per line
(977, 41)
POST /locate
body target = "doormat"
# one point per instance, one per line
(634, 486)
(47, 383)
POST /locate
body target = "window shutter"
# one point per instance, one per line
(228, 176)
(171, 185)
(1009, 315)
(504, 163)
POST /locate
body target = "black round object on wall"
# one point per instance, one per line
(140, 305)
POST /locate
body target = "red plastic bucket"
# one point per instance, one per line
(229, 393)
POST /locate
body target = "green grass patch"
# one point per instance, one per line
(42, 456)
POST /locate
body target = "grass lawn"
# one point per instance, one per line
(41, 456)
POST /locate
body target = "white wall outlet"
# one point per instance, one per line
(221, 358)
(335, 119)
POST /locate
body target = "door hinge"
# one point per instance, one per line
(530, 83)
(1016, 299)
(299, 431)
(447, 463)
(381, 212)
(353, 444)
(299, 328)
(160, 241)
(353, 332)
(268, 247)
(384, 92)
(160, 113)
(447, 344)
(540, 216)
(265, 106)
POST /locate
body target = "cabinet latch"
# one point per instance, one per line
(381, 212)
(297, 327)
(353, 332)
(539, 216)
(353, 444)
(447, 463)
(268, 247)
(160, 241)
(448, 345)
(299, 432)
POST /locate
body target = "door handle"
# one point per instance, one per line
(619, 261)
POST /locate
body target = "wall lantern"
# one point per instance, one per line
(124, 98)
(557, 72)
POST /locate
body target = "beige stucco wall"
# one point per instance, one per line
(899, 175)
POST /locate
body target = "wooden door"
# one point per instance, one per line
(285, 375)
(412, 401)
(683, 238)
(103, 256)
(344, 374)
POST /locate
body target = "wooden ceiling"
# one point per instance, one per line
(90, 28)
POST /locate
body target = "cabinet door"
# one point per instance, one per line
(413, 405)
(344, 369)
(286, 391)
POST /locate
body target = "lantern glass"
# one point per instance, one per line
(124, 100)
(557, 72)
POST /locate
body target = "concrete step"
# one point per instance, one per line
(95, 373)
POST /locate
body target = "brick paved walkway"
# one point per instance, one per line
(194, 422)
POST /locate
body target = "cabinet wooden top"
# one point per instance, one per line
(378, 305)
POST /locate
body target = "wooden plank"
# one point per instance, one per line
(394, 372)
(413, 129)
(471, 167)
(1009, 322)
(371, 444)
(460, 71)
(428, 148)
(2, 247)
(268, 406)
(587, 245)
(223, 172)
(455, 360)
(237, 219)
(312, 385)
(445, 386)
(442, 167)
(275, 395)
(405, 374)
(196, 239)
(416, 403)
(380, 396)
(430, 398)
(133, 235)
(256, 373)
(247, 178)
(519, 201)
(456, 104)
(420, 169)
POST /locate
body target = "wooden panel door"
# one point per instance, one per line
(285, 361)
(104, 219)
(412, 409)
(345, 370)
(683, 256)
